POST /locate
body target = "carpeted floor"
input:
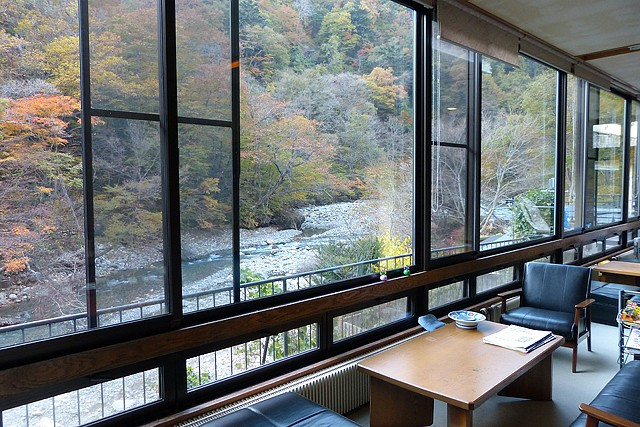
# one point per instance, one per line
(569, 390)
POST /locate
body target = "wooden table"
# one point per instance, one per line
(452, 365)
(627, 273)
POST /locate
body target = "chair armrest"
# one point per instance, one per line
(581, 306)
(506, 295)
(595, 415)
(584, 304)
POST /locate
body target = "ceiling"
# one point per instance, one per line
(580, 28)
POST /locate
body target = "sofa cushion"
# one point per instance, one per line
(621, 395)
(287, 409)
(558, 322)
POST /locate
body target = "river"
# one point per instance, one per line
(265, 252)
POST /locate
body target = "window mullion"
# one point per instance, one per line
(235, 142)
(169, 155)
(87, 165)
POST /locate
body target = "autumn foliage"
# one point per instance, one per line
(35, 168)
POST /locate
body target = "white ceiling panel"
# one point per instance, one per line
(576, 26)
(626, 67)
(579, 27)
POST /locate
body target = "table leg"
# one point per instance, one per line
(458, 417)
(534, 384)
(394, 406)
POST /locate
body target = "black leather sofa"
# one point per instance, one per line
(605, 309)
(618, 402)
(283, 410)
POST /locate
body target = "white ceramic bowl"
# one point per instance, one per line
(465, 318)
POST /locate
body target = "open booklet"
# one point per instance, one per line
(519, 338)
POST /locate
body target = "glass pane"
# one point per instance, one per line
(494, 279)
(203, 59)
(124, 55)
(605, 153)
(612, 242)
(326, 185)
(449, 234)
(361, 321)
(569, 255)
(634, 164)
(518, 131)
(574, 155)
(128, 220)
(451, 79)
(452, 68)
(41, 201)
(88, 404)
(590, 249)
(231, 361)
(446, 294)
(206, 216)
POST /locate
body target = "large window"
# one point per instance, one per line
(294, 169)
(518, 152)
(279, 146)
(605, 154)
(453, 68)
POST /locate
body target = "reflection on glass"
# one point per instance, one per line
(634, 164)
(569, 255)
(361, 321)
(517, 193)
(573, 184)
(124, 55)
(612, 242)
(592, 248)
(494, 279)
(451, 71)
(446, 294)
(128, 220)
(605, 152)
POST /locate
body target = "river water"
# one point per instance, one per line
(265, 252)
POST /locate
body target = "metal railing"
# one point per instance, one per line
(63, 325)
(68, 324)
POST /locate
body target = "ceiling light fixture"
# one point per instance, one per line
(451, 108)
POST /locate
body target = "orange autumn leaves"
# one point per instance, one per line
(37, 120)
(32, 132)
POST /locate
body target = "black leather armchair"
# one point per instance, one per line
(553, 298)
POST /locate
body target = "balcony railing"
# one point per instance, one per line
(68, 324)
(63, 325)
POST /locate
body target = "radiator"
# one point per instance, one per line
(341, 388)
(493, 312)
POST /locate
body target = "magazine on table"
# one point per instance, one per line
(519, 338)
